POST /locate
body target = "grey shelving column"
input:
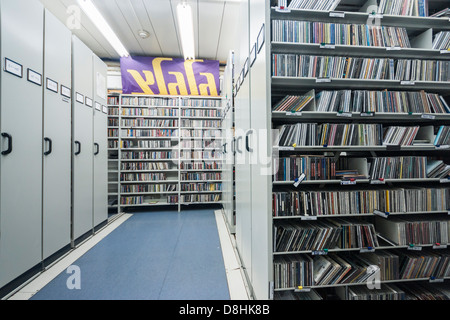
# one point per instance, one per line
(228, 150)
(135, 108)
(200, 150)
(113, 153)
(256, 92)
(177, 111)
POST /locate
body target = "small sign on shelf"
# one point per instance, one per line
(308, 218)
(13, 68)
(323, 80)
(65, 92)
(436, 280)
(428, 116)
(293, 113)
(52, 85)
(337, 14)
(323, 252)
(327, 46)
(348, 182)
(445, 180)
(302, 289)
(79, 98)
(299, 180)
(344, 114)
(34, 77)
(413, 247)
(381, 213)
(286, 148)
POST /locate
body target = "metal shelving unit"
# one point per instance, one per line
(257, 91)
(177, 108)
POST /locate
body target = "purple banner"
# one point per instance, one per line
(168, 76)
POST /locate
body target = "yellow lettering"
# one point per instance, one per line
(211, 85)
(159, 74)
(180, 85)
(143, 83)
(191, 77)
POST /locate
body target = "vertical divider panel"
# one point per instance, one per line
(21, 42)
(100, 184)
(260, 150)
(83, 144)
(423, 40)
(57, 135)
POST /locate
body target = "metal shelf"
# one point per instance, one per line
(149, 204)
(148, 117)
(149, 138)
(361, 148)
(358, 51)
(150, 182)
(148, 160)
(359, 181)
(122, 194)
(206, 202)
(172, 173)
(149, 171)
(351, 284)
(391, 117)
(331, 216)
(200, 192)
(289, 83)
(414, 23)
(358, 249)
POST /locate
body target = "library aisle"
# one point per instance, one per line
(162, 255)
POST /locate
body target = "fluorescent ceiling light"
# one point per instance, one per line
(97, 18)
(186, 28)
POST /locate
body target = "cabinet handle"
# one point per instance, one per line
(78, 143)
(237, 144)
(225, 148)
(97, 146)
(10, 146)
(50, 146)
(247, 141)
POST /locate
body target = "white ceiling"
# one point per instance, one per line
(215, 23)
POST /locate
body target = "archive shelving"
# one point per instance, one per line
(228, 149)
(167, 149)
(45, 211)
(113, 153)
(259, 89)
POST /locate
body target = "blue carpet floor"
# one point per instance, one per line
(152, 256)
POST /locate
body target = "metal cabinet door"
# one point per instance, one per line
(83, 142)
(261, 153)
(21, 125)
(243, 166)
(57, 136)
